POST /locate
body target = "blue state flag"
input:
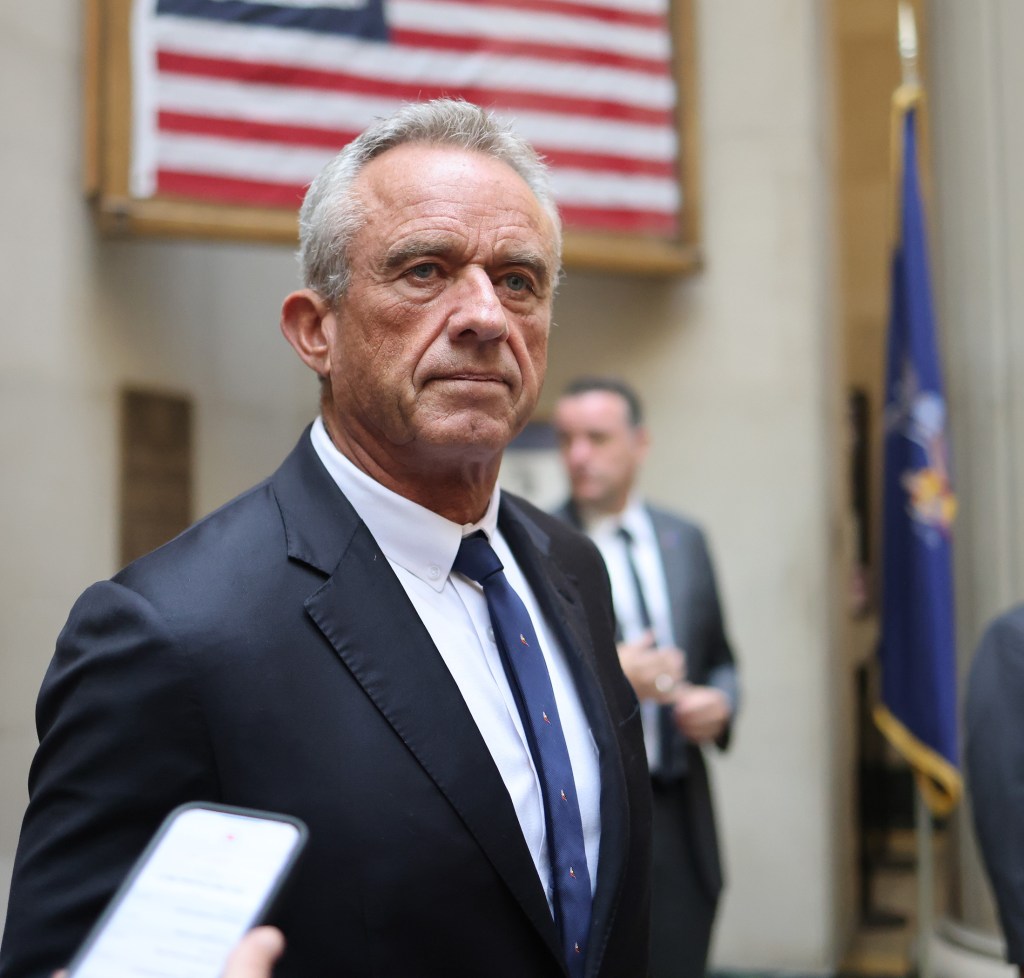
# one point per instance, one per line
(918, 711)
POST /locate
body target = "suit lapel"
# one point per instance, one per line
(559, 597)
(677, 570)
(365, 614)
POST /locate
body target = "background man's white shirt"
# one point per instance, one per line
(604, 531)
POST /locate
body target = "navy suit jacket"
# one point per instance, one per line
(270, 658)
(698, 627)
(994, 764)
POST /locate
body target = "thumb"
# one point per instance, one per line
(255, 954)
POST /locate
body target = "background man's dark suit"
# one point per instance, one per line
(269, 657)
(994, 755)
(698, 629)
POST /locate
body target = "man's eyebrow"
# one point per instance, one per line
(535, 261)
(406, 252)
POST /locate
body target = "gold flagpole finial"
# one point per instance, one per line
(908, 43)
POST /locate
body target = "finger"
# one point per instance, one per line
(255, 954)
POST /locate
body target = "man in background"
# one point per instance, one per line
(994, 765)
(375, 640)
(672, 646)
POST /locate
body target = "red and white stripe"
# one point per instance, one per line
(249, 114)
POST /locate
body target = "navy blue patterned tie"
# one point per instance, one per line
(531, 685)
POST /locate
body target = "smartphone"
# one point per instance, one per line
(209, 874)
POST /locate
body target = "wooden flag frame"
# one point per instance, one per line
(108, 138)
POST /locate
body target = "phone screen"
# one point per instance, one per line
(204, 880)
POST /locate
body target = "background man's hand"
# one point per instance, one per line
(701, 712)
(256, 953)
(654, 673)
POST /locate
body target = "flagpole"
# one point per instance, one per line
(910, 94)
(907, 96)
(907, 34)
(925, 886)
(917, 646)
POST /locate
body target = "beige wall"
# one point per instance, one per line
(978, 142)
(81, 317)
(737, 364)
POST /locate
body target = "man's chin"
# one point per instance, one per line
(471, 433)
(595, 502)
(587, 495)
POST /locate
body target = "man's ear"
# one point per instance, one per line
(643, 442)
(304, 323)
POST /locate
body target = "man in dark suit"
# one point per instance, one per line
(994, 764)
(673, 648)
(309, 649)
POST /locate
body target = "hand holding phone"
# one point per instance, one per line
(208, 875)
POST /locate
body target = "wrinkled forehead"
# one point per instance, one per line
(421, 181)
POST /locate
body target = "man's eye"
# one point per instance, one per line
(423, 272)
(517, 282)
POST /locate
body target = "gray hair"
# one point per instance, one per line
(332, 212)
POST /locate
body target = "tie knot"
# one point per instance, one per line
(476, 558)
(625, 536)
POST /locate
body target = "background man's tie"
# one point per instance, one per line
(531, 685)
(670, 761)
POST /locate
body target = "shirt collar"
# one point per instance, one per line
(410, 535)
(607, 524)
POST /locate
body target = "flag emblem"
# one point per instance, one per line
(920, 418)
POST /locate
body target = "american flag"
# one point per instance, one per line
(242, 101)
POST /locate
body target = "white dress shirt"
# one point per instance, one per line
(420, 546)
(604, 531)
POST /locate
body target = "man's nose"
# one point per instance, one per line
(477, 309)
(576, 452)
